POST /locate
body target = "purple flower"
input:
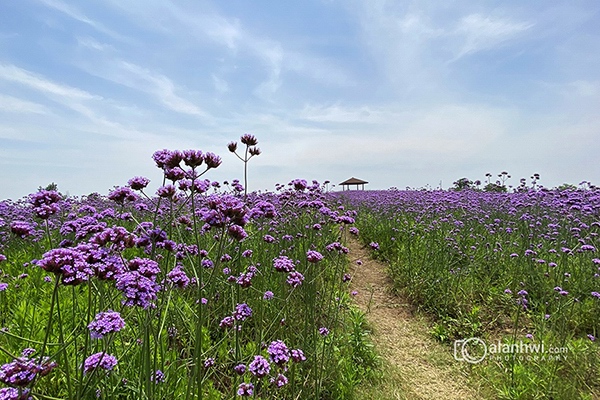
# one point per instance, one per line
(591, 337)
(122, 194)
(227, 322)
(268, 239)
(295, 279)
(158, 377)
(237, 232)
(166, 191)
(99, 360)
(20, 372)
(3, 286)
(105, 323)
(145, 266)
(323, 331)
(313, 256)
(268, 295)
(259, 367)
(178, 277)
(596, 295)
(137, 289)
(249, 140)
(240, 369)
(374, 245)
(138, 183)
(22, 229)
(278, 352)
(70, 263)
(212, 160)
(245, 389)
(44, 203)
(247, 253)
(297, 355)
(209, 362)
(279, 381)
(14, 394)
(242, 312)
(193, 158)
(283, 264)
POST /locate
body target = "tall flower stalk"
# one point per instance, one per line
(250, 151)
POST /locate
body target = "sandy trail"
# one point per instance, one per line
(419, 367)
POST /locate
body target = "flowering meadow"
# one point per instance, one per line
(510, 267)
(200, 290)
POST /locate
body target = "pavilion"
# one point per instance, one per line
(353, 181)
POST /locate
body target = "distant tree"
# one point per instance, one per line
(495, 187)
(566, 186)
(463, 184)
(51, 186)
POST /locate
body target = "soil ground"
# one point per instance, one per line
(415, 365)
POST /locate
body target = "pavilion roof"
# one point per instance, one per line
(353, 181)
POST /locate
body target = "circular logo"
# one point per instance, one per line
(471, 343)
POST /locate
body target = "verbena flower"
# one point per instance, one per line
(295, 279)
(297, 355)
(283, 264)
(137, 289)
(279, 381)
(14, 394)
(259, 367)
(245, 389)
(313, 256)
(99, 360)
(242, 312)
(138, 183)
(105, 323)
(178, 277)
(278, 352)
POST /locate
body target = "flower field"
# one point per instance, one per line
(205, 291)
(519, 267)
(199, 291)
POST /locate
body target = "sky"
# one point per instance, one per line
(398, 93)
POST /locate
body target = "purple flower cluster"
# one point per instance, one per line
(70, 263)
(14, 394)
(259, 367)
(245, 389)
(45, 202)
(24, 370)
(278, 352)
(105, 323)
(138, 289)
(99, 360)
(178, 277)
(295, 279)
(313, 256)
(283, 264)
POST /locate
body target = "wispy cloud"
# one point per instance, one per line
(75, 14)
(485, 32)
(16, 105)
(34, 81)
(160, 86)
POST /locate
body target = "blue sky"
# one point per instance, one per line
(398, 93)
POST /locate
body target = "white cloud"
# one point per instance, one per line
(16, 105)
(24, 77)
(484, 32)
(74, 13)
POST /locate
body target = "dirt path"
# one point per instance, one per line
(417, 367)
